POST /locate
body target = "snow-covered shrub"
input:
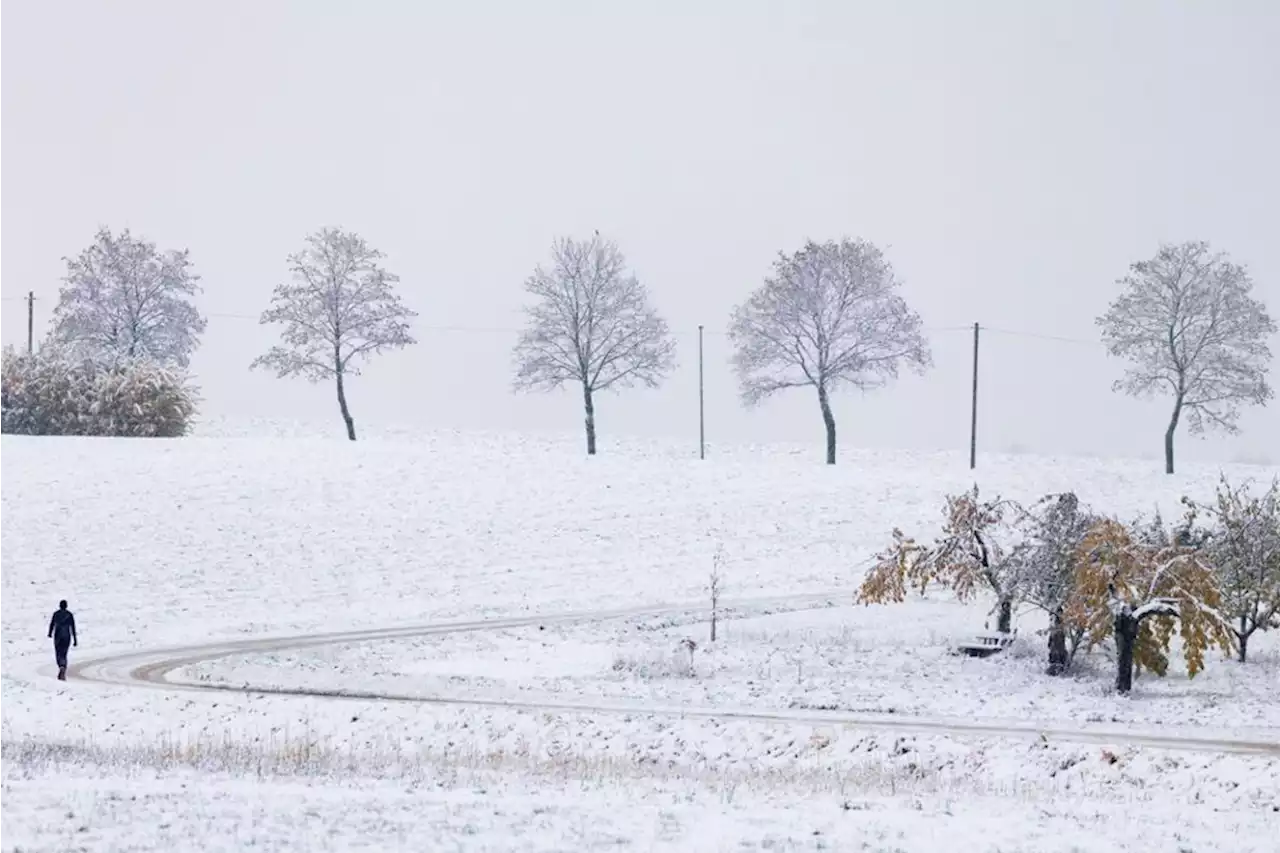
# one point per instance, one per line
(54, 393)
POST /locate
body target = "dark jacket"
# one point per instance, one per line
(62, 627)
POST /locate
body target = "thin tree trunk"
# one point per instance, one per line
(346, 412)
(1126, 628)
(1058, 658)
(829, 420)
(1168, 434)
(1074, 638)
(1243, 637)
(1004, 621)
(590, 408)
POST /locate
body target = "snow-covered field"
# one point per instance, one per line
(162, 543)
(877, 660)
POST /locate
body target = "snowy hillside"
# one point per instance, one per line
(234, 536)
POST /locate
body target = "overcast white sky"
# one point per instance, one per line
(1012, 157)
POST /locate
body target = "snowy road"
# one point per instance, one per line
(152, 669)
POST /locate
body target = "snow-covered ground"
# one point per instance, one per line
(216, 812)
(895, 659)
(175, 542)
(140, 809)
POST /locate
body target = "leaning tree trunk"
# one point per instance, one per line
(342, 405)
(1004, 619)
(590, 408)
(1058, 658)
(1168, 435)
(829, 420)
(1004, 601)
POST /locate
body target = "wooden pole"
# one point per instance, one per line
(31, 321)
(973, 415)
(702, 421)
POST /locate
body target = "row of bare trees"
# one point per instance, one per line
(1214, 577)
(828, 316)
(124, 303)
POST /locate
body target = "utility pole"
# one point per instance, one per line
(31, 321)
(702, 422)
(973, 418)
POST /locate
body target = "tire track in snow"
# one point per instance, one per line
(152, 669)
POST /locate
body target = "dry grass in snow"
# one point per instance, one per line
(302, 792)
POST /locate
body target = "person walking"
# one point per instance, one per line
(62, 627)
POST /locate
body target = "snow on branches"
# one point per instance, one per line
(55, 392)
(1190, 327)
(1099, 580)
(591, 324)
(1043, 566)
(123, 299)
(339, 308)
(1242, 544)
(968, 556)
(829, 315)
(1134, 584)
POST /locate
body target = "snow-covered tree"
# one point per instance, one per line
(968, 557)
(829, 315)
(121, 298)
(339, 308)
(1134, 584)
(1189, 327)
(1043, 566)
(591, 325)
(57, 392)
(1243, 547)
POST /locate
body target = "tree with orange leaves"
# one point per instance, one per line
(1134, 583)
(968, 556)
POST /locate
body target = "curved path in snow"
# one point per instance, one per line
(152, 669)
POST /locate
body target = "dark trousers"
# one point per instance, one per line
(60, 646)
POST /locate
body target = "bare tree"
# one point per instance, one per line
(338, 308)
(592, 325)
(1189, 327)
(123, 299)
(829, 315)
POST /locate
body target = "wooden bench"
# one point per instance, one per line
(985, 645)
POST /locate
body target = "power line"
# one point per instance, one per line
(464, 329)
(1039, 335)
(416, 326)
